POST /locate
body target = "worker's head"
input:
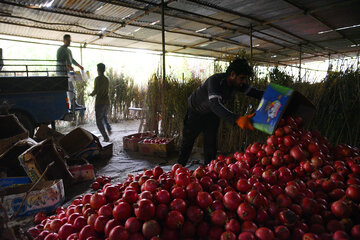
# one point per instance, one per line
(67, 39)
(238, 72)
(101, 68)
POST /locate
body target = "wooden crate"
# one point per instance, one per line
(157, 150)
(130, 142)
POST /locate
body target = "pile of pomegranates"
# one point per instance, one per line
(295, 186)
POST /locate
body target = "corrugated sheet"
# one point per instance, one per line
(77, 18)
(192, 7)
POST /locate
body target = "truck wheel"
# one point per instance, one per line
(26, 122)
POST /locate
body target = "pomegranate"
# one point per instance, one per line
(118, 232)
(151, 228)
(145, 210)
(341, 209)
(203, 199)
(246, 212)
(122, 211)
(65, 230)
(174, 220)
(232, 200)
(218, 217)
(97, 200)
(194, 214)
(264, 233)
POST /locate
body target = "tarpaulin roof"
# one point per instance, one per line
(281, 30)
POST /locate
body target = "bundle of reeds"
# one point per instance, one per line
(123, 93)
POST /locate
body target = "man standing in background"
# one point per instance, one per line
(102, 101)
(64, 66)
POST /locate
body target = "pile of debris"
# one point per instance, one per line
(35, 173)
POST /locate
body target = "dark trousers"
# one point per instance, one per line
(101, 112)
(194, 124)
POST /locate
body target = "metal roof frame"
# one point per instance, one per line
(276, 38)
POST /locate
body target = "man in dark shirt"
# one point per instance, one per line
(205, 108)
(102, 102)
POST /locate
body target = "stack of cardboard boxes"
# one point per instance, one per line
(24, 160)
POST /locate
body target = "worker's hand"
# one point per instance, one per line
(81, 67)
(245, 122)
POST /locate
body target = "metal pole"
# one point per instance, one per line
(300, 64)
(81, 54)
(163, 37)
(251, 43)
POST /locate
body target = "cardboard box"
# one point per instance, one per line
(130, 142)
(9, 163)
(80, 143)
(44, 132)
(107, 150)
(36, 159)
(278, 102)
(82, 172)
(13, 181)
(157, 150)
(46, 196)
(11, 131)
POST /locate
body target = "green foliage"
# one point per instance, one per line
(153, 103)
(167, 101)
(81, 96)
(338, 107)
(279, 77)
(175, 105)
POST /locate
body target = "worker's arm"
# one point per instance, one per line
(214, 93)
(73, 61)
(95, 87)
(69, 67)
(78, 65)
(251, 91)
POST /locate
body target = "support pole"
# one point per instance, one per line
(251, 43)
(300, 64)
(329, 67)
(158, 116)
(163, 37)
(81, 54)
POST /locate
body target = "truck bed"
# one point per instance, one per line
(33, 84)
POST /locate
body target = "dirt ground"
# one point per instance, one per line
(123, 162)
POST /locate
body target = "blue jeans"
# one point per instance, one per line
(101, 112)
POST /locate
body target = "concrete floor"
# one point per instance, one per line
(124, 162)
